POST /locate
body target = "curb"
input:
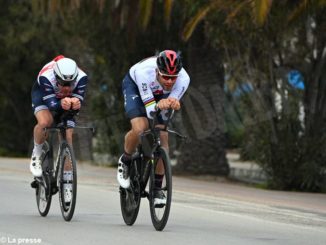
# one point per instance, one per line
(245, 171)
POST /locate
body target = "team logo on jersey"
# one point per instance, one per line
(156, 87)
(134, 97)
(144, 86)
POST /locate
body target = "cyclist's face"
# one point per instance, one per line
(166, 81)
(65, 90)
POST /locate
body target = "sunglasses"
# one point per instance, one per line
(64, 83)
(167, 77)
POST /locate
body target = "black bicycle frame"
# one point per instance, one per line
(63, 139)
(143, 163)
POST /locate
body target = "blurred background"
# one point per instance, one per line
(257, 69)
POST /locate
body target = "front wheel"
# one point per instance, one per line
(67, 181)
(160, 208)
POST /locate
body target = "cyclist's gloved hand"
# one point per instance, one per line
(174, 103)
(66, 103)
(164, 104)
(75, 103)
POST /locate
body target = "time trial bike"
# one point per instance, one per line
(149, 158)
(60, 174)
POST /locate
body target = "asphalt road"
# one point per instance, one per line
(202, 212)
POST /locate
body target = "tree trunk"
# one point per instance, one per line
(203, 115)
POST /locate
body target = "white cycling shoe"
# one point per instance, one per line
(123, 174)
(35, 166)
(159, 199)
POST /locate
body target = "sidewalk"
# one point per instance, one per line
(245, 171)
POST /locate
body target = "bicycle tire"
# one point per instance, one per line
(160, 215)
(43, 190)
(130, 198)
(43, 197)
(67, 206)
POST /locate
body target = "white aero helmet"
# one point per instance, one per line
(65, 71)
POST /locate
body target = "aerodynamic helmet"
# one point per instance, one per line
(169, 62)
(65, 71)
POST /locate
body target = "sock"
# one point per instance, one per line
(158, 180)
(37, 151)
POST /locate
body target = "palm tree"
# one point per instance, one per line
(282, 147)
(206, 153)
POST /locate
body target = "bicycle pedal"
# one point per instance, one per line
(34, 184)
(54, 190)
(159, 205)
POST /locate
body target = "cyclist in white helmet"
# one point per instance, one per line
(60, 86)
